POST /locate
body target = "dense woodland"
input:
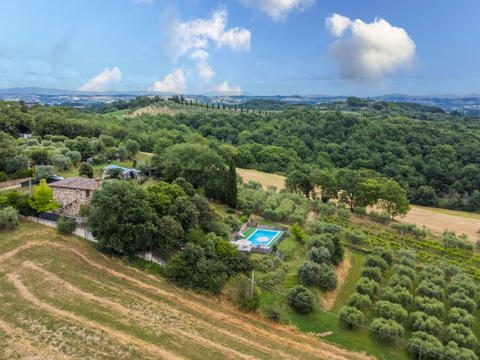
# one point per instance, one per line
(431, 154)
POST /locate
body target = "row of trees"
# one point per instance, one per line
(357, 188)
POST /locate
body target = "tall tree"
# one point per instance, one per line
(231, 190)
(393, 199)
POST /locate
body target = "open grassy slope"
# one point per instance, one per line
(60, 298)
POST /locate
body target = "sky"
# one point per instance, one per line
(252, 47)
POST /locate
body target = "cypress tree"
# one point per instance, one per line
(231, 190)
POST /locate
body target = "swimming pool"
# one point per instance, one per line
(264, 237)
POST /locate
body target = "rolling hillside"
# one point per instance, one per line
(61, 299)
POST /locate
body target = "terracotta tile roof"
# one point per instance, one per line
(77, 182)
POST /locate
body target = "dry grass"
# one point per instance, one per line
(342, 272)
(263, 178)
(62, 299)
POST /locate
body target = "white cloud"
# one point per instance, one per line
(278, 10)
(337, 24)
(102, 80)
(172, 83)
(369, 50)
(225, 89)
(198, 34)
(204, 69)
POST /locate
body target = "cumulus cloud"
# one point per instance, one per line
(172, 83)
(204, 69)
(102, 80)
(278, 10)
(225, 89)
(200, 33)
(368, 50)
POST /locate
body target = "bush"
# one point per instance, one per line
(429, 289)
(3, 176)
(386, 330)
(462, 283)
(460, 316)
(239, 292)
(385, 253)
(23, 174)
(430, 346)
(326, 209)
(359, 301)
(74, 156)
(463, 301)
(21, 202)
(234, 223)
(344, 214)
(449, 270)
(308, 272)
(376, 261)
(17, 163)
(460, 334)
(388, 310)
(404, 270)
(398, 295)
(381, 218)
(61, 162)
(359, 210)
(297, 233)
(420, 321)
(356, 237)
(372, 273)
(66, 225)
(453, 351)
(327, 278)
(433, 274)
(407, 257)
(85, 170)
(432, 307)
(319, 255)
(8, 218)
(43, 172)
(400, 280)
(323, 240)
(272, 311)
(301, 299)
(350, 317)
(367, 287)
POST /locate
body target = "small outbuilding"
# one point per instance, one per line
(72, 192)
(127, 174)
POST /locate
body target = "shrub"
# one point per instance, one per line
(3, 176)
(350, 317)
(386, 330)
(61, 162)
(8, 218)
(239, 292)
(17, 163)
(308, 272)
(388, 310)
(359, 301)
(301, 299)
(429, 289)
(319, 255)
(234, 224)
(367, 287)
(376, 261)
(344, 214)
(326, 209)
(460, 334)
(378, 217)
(23, 174)
(398, 295)
(66, 225)
(272, 311)
(20, 202)
(356, 237)
(274, 278)
(462, 301)
(407, 257)
(297, 233)
(385, 253)
(434, 274)
(85, 170)
(453, 351)
(372, 273)
(460, 316)
(430, 346)
(404, 270)
(74, 156)
(327, 278)
(323, 240)
(420, 321)
(43, 172)
(359, 210)
(400, 280)
(449, 270)
(462, 283)
(432, 307)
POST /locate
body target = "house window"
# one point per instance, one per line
(88, 193)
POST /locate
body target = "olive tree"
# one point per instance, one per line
(301, 299)
(420, 321)
(386, 329)
(350, 317)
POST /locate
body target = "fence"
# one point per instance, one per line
(79, 231)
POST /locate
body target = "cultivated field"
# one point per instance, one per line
(61, 299)
(436, 220)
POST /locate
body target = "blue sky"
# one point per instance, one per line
(261, 47)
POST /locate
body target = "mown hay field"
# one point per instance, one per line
(61, 298)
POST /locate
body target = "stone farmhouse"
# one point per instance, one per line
(73, 192)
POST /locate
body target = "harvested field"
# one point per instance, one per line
(262, 177)
(61, 298)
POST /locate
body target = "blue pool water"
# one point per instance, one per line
(263, 237)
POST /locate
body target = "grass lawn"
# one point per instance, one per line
(463, 214)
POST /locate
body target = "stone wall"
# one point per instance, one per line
(71, 199)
